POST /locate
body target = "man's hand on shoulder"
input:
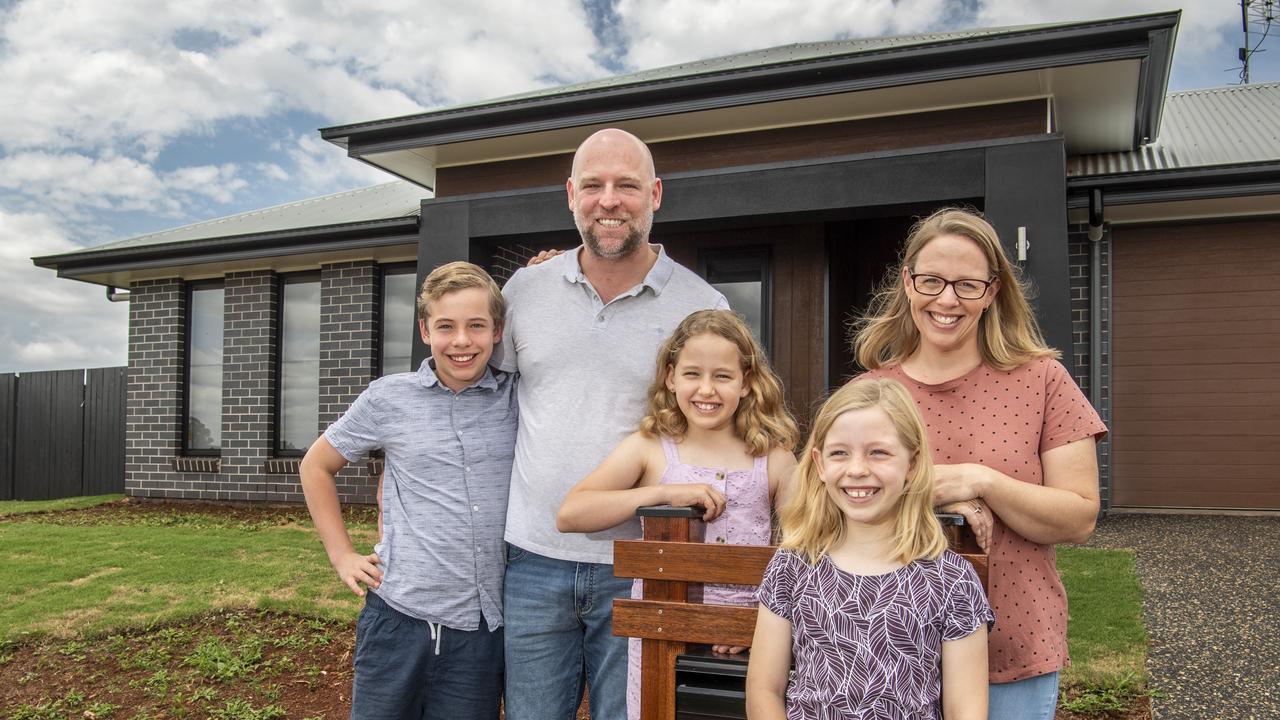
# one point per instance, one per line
(355, 570)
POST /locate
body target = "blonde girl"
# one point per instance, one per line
(881, 619)
(716, 434)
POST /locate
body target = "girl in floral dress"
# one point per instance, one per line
(881, 619)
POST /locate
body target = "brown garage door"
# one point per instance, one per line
(1196, 366)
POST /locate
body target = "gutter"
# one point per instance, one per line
(375, 233)
(1150, 186)
(1148, 38)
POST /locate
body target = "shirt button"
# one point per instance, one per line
(467, 468)
(719, 476)
(475, 508)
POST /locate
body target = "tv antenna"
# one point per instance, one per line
(1256, 18)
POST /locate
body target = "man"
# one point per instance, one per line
(583, 329)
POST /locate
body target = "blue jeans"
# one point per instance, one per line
(1035, 698)
(559, 627)
(404, 670)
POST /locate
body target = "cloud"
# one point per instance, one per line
(50, 322)
(76, 182)
(320, 167)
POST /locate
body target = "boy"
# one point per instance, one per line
(429, 640)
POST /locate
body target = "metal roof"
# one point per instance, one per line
(1211, 127)
(397, 199)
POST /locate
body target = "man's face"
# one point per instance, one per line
(613, 195)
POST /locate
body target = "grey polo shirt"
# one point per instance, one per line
(444, 498)
(584, 370)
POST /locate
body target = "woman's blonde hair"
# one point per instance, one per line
(812, 523)
(762, 420)
(1008, 334)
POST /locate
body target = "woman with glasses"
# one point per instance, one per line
(1011, 434)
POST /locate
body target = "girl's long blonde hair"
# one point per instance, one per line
(812, 523)
(762, 420)
(1008, 334)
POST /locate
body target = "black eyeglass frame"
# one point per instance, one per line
(986, 285)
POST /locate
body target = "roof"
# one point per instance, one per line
(390, 200)
(1230, 125)
(783, 54)
(819, 82)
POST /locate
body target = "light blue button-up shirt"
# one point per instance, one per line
(444, 498)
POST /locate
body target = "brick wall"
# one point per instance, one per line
(157, 329)
(1079, 251)
(507, 259)
(154, 397)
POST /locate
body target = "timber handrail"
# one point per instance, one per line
(672, 561)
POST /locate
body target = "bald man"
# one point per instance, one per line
(583, 330)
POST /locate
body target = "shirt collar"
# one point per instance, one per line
(428, 378)
(656, 279)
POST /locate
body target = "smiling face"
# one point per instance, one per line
(948, 323)
(864, 465)
(708, 382)
(461, 332)
(613, 194)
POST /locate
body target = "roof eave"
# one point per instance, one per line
(235, 247)
(1146, 37)
(1220, 181)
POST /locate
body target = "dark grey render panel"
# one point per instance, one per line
(103, 455)
(1026, 187)
(444, 235)
(8, 396)
(48, 465)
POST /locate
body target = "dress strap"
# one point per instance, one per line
(669, 449)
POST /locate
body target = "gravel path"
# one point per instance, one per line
(1212, 603)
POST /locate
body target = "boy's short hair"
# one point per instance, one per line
(460, 275)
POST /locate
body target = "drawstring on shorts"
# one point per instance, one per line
(436, 634)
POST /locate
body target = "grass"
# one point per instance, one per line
(1106, 635)
(20, 507)
(92, 579)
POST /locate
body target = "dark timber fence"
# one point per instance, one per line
(61, 433)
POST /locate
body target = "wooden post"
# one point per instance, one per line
(658, 657)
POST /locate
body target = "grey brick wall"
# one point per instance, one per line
(154, 395)
(157, 313)
(507, 259)
(250, 318)
(1079, 250)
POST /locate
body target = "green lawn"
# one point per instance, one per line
(76, 577)
(20, 507)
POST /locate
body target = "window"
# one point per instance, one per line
(202, 415)
(397, 322)
(742, 274)
(298, 353)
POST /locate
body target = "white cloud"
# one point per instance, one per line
(320, 167)
(50, 322)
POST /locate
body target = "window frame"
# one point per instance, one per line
(746, 258)
(400, 268)
(189, 290)
(282, 280)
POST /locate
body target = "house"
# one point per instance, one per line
(1146, 223)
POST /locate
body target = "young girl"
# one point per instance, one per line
(882, 620)
(716, 434)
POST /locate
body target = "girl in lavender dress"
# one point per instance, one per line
(716, 433)
(882, 620)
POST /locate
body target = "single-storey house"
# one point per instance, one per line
(1148, 224)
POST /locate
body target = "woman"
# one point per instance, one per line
(1011, 433)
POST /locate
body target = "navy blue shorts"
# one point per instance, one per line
(411, 669)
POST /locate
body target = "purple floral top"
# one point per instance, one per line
(871, 646)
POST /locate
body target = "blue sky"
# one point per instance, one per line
(126, 117)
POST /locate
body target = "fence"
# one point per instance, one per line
(62, 433)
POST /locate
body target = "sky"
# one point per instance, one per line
(132, 116)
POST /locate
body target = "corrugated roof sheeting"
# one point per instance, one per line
(1201, 128)
(379, 202)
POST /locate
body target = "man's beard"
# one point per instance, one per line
(637, 236)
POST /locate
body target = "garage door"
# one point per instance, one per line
(1196, 366)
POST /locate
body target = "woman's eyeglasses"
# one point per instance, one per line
(966, 289)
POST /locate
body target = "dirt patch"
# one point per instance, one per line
(132, 511)
(243, 664)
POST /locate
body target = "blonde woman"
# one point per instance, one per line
(881, 619)
(1013, 437)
